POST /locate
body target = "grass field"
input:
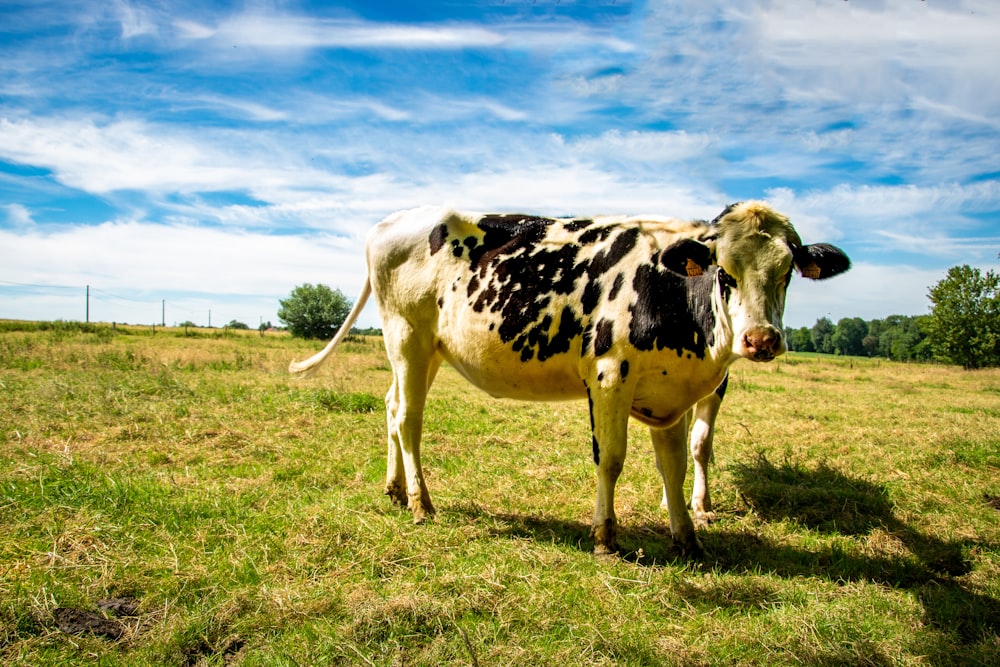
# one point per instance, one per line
(191, 504)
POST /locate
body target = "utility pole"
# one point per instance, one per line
(209, 318)
(163, 314)
(88, 304)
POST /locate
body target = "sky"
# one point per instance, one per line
(197, 160)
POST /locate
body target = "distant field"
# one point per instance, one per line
(223, 513)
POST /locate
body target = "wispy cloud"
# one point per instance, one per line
(18, 216)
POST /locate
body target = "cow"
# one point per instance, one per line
(642, 316)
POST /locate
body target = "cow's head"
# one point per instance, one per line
(756, 249)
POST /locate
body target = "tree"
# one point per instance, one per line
(964, 325)
(800, 340)
(849, 336)
(822, 336)
(314, 311)
(235, 324)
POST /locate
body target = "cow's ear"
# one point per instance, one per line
(820, 261)
(687, 257)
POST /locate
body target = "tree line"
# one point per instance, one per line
(963, 327)
(897, 337)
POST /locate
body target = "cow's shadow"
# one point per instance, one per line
(821, 499)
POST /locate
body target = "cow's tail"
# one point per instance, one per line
(304, 369)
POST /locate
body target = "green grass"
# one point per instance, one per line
(243, 513)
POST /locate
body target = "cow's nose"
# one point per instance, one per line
(762, 343)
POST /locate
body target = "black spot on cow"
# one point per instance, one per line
(568, 330)
(602, 262)
(624, 369)
(720, 391)
(591, 296)
(440, 302)
(515, 276)
(603, 338)
(577, 225)
(437, 238)
(594, 235)
(646, 412)
(671, 312)
(616, 286)
(605, 260)
(597, 448)
(504, 236)
(456, 248)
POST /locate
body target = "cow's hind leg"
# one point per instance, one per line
(413, 361)
(395, 471)
(395, 475)
(670, 447)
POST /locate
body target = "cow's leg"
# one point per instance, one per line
(702, 434)
(670, 447)
(609, 419)
(413, 362)
(395, 476)
(395, 472)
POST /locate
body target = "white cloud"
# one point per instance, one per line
(135, 20)
(134, 155)
(931, 221)
(645, 146)
(277, 31)
(18, 216)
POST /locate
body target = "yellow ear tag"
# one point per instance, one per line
(693, 269)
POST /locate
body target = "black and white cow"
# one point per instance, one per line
(642, 316)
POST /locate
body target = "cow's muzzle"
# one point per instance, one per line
(763, 344)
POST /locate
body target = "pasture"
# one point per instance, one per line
(191, 504)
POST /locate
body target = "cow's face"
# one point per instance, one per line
(756, 249)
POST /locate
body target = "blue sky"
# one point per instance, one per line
(212, 156)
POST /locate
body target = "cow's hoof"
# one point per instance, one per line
(605, 538)
(691, 548)
(606, 550)
(420, 515)
(702, 519)
(396, 494)
(421, 507)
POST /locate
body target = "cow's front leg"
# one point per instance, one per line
(702, 435)
(609, 420)
(670, 447)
